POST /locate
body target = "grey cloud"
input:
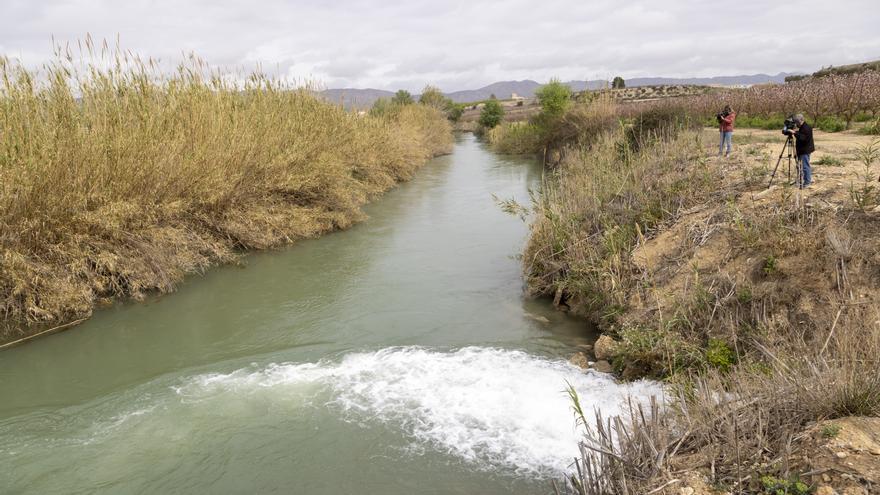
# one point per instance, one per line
(460, 44)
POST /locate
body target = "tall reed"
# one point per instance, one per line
(118, 177)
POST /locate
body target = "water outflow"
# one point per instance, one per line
(396, 357)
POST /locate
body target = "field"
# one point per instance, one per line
(117, 179)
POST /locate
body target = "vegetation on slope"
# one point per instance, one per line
(117, 179)
(758, 310)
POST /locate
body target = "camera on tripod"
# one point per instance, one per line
(789, 125)
(721, 115)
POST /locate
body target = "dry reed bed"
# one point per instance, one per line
(117, 179)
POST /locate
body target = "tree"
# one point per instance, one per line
(434, 98)
(454, 112)
(554, 98)
(492, 114)
(618, 83)
(402, 97)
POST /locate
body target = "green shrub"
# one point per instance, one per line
(454, 112)
(829, 161)
(766, 122)
(770, 266)
(744, 295)
(402, 97)
(719, 355)
(871, 128)
(831, 124)
(491, 115)
(830, 430)
(772, 485)
(554, 98)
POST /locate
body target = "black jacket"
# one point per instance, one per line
(804, 140)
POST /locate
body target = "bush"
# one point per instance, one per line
(831, 124)
(402, 97)
(554, 98)
(581, 125)
(491, 115)
(719, 355)
(871, 128)
(434, 98)
(455, 111)
(772, 485)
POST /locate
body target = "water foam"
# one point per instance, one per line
(495, 408)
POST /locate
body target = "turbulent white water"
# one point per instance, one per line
(495, 408)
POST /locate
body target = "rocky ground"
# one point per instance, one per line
(838, 457)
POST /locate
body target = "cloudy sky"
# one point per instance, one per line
(391, 44)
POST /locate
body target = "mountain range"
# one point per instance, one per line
(363, 98)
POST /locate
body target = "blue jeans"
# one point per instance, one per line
(806, 171)
(726, 138)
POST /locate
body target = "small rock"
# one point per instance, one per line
(686, 491)
(538, 318)
(603, 366)
(580, 360)
(605, 348)
(840, 455)
(854, 490)
(825, 477)
(825, 490)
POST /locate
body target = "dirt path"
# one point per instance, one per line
(836, 165)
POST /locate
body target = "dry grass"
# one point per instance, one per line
(117, 178)
(594, 209)
(758, 310)
(733, 428)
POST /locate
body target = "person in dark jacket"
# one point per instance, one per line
(804, 147)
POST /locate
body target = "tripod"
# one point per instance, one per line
(787, 147)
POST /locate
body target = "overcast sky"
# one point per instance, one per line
(393, 44)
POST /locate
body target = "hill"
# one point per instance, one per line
(364, 98)
(848, 69)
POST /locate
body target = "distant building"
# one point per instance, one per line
(516, 97)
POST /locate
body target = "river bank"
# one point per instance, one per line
(117, 183)
(756, 305)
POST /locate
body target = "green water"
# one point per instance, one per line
(399, 356)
